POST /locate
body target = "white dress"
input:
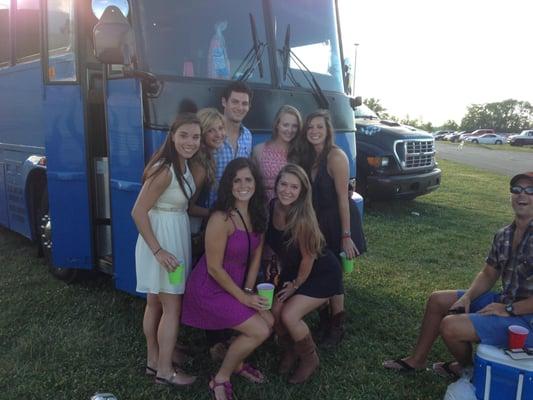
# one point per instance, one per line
(170, 224)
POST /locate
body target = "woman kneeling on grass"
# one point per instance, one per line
(215, 297)
(160, 214)
(311, 274)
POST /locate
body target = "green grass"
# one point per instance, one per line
(68, 341)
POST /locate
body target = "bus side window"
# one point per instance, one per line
(61, 40)
(4, 32)
(27, 30)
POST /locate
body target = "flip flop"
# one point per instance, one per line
(149, 371)
(402, 366)
(443, 369)
(250, 373)
(171, 381)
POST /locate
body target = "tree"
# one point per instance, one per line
(504, 116)
(449, 125)
(375, 105)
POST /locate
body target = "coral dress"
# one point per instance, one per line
(206, 305)
(271, 161)
(170, 224)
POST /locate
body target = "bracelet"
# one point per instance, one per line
(346, 234)
(157, 251)
(247, 290)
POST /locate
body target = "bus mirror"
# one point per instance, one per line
(98, 6)
(113, 38)
(356, 101)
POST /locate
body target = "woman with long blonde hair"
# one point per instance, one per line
(272, 155)
(311, 274)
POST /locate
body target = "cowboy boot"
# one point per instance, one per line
(289, 357)
(336, 330)
(324, 322)
(308, 360)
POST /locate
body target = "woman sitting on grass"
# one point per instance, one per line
(219, 292)
(310, 275)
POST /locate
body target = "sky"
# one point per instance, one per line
(430, 59)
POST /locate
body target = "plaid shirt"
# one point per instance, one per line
(225, 154)
(516, 268)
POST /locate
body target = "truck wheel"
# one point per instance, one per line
(45, 243)
(498, 142)
(475, 141)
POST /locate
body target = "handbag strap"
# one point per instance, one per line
(247, 235)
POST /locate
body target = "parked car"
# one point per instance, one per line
(477, 132)
(525, 138)
(440, 135)
(487, 138)
(453, 137)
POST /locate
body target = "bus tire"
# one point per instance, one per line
(44, 229)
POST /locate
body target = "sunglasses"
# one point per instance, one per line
(519, 189)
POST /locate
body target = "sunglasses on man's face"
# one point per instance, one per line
(519, 189)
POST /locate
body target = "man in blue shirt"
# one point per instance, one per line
(236, 101)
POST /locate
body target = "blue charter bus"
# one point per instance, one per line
(88, 90)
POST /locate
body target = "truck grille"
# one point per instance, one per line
(414, 154)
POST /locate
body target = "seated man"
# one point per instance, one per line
(478, 315)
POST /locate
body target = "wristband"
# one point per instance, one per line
(157, 251)
(346, 234)
(247, 290)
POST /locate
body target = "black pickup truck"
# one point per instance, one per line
(394, 161)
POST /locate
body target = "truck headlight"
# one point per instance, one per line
(378, 162)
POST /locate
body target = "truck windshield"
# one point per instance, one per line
(201, 38)
(363, 111)
(313, 39)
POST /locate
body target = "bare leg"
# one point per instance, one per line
(437, 308)
(254, 331)
(152, 316)
(458, 333)
(167, 334)
(337, 304)
(293, 312)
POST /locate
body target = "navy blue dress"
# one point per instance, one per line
(325, 279)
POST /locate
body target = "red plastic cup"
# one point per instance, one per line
(517, 336)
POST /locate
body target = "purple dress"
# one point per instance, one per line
(206, 305)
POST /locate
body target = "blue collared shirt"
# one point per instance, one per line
(226, 153)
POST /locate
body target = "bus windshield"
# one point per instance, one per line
(201, 38)
(313, 39)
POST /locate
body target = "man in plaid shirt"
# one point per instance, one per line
(479, 315)
(236, 101)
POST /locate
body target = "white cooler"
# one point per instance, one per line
(499, 377)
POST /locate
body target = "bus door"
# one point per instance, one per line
(65, 140)
(126, 166)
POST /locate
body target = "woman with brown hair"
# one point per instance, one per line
(310, 275)
(338, 217)
(219, 292)
(160, 214)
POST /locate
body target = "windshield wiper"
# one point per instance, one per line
(252, 58)
(287, 54)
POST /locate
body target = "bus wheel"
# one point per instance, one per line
(45, 243)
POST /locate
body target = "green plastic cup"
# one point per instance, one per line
(266, 290)
(347, 263)
(176, 277)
